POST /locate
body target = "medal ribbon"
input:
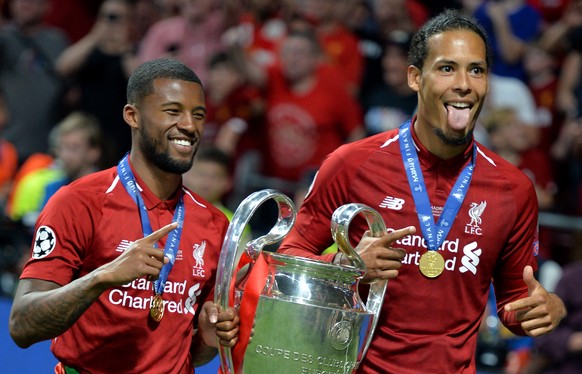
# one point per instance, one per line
(128, 180)
(433, 234)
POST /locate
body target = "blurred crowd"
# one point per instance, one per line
(286, 82)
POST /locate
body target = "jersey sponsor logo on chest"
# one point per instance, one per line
(468, 263)
(185, 302)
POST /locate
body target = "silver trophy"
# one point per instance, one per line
(309, 317)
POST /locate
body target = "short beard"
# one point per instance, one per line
(162, 160)
(454, 141)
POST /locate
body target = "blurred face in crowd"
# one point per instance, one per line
(28, 13)
(395, 65)
(451, 86)
(536, 60)
(209, 179)
(388, 10)
(222, 80)
(115, 14)
(197, 10)
(299, 57)
(76, 153)
(510, 134)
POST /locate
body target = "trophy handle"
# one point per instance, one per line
(232, 249)
(340, 224)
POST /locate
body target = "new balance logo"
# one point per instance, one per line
(390, 202)
(123, 245)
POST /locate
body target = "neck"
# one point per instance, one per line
(161, 183)
(434, 144)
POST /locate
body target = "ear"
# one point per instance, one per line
(131, 115)
(414, 74)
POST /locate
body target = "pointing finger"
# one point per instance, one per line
(398, 234)
(157, 235)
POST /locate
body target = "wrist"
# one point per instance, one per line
(564, 311)
(100, 280)
(201, 351)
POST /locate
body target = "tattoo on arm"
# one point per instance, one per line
(43, 310)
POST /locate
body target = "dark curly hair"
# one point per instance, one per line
(450, 19)
(141, 81)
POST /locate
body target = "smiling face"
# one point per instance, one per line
(451, 88)
(167, 125)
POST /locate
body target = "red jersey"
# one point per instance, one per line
(428, 325)
(91, 222)
(8, 162)
(304, 128)
(342, 50)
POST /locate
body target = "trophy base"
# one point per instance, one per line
(305, 339)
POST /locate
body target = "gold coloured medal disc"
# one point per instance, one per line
(432, 264)
(157, 308)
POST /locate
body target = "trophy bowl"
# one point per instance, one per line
(307, 315)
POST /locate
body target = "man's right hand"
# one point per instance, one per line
(381, 259)
(140, 259)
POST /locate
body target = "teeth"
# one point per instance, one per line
(459, 105)
(182, 142)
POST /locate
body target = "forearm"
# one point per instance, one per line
(569, 79)
(552, 40)
(254, 73)
(510, 47)
(73, 57)
(50, 310)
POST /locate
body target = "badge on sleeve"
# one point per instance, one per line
(44, 242)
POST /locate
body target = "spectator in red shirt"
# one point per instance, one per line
(309, 111)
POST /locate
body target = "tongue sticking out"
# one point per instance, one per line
(458, 118)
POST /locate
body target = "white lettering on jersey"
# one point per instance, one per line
(470, 259)
(124, 297)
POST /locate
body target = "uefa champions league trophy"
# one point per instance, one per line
(307, 315)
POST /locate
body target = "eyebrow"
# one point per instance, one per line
(170, 103)
(479, 63)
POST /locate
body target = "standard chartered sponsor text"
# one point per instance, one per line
(124, 297)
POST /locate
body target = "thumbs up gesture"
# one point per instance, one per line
(540, 312)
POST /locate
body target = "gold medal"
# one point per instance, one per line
(157, 308)
(432, 264)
